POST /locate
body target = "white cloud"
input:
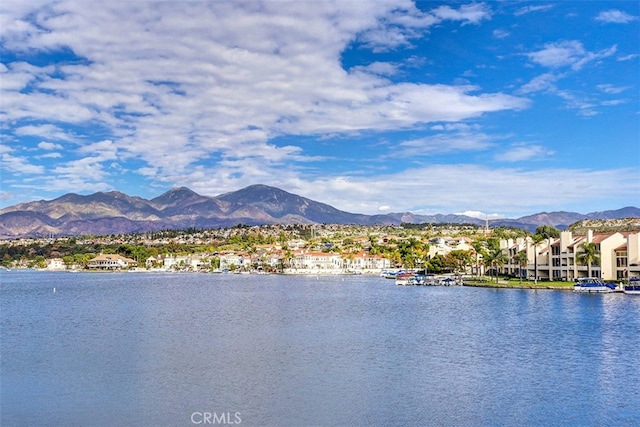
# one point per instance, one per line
(187, 102)
(379, 68)
(87, 171)
(455, 127)
(481, 215)
(100, 151)
(50, 156)
(469, 13)
(524, 152)
(459, 187)
(19, 165)
(559, 54)
(611, 89)
(500, 34)
(406, 21)
(187, 90)
(47, 131)
(628, 57)
(614, 102)
(615, 16)
(568, 53)
(49, 146)
(529, 9)
(584, 105)
(443, 143)
(542, 83)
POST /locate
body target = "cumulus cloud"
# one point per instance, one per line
(406, 21)
(203, 94)
(171, 90)
(19, 165)
(48, 131)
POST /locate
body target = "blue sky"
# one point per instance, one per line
(500, 108)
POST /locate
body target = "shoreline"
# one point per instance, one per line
(568, 287)
(302, 272)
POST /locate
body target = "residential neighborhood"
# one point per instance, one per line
(332, 249)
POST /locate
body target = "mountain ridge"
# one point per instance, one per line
(115, 212)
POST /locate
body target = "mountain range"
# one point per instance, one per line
(115, 213)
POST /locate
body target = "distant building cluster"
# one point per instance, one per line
(617, 257)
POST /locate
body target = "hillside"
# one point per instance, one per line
(606, 225)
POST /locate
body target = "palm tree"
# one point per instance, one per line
(537, 239)
(287, 259)
(495, 258)
(521, 258)
(590, 254)
(479, 249)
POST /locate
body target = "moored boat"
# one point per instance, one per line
(405, 279)
(593, 284)
(633, 287)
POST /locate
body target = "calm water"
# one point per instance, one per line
(166, 349)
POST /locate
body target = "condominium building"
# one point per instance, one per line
(559, 258)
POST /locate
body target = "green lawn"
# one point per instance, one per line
(515, 283)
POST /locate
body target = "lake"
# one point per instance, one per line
(107, 349)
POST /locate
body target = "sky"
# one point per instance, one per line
(500, 108)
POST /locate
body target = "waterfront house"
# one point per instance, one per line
(55, 264)
(111, 262)
(364, 262)
(316, 261)
(230, 260)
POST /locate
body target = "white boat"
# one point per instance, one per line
(410, 279)
(593, 284)
(633, 287)
(405, 279)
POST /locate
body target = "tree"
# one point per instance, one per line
(436, 264)
(590, 254)
(480, 250)
(547, 231)
(459, 260)
(521, 258)
(287, 259)
(536, 240)
(495, 258)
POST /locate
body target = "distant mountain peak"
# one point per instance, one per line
(175, 197)
(179, 190)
